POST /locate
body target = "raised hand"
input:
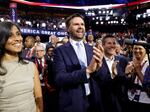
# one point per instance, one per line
(114, 68)
(96, 61)
(129, 68)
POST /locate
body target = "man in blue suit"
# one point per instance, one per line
(74, 67)
(111, 78)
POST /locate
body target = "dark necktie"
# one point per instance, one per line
(41, 66)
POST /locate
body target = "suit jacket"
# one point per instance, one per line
(31, 54)
(113, 92)
(70, 77)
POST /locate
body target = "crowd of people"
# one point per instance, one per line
(37, 21)
(77, 74)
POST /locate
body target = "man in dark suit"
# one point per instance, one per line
(29, 50)
(111, 77)
(74, 70)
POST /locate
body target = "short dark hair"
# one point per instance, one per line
(68, 19)
(107, 36)
(31, 38)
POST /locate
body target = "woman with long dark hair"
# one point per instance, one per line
(20, 89)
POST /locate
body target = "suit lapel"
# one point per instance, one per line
(71, 53)
(117, 58)
(106, 72)
(89, 53)
(119, 65)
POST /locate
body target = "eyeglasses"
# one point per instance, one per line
(39, 50)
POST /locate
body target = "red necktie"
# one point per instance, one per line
(41, 63)
(28, 54)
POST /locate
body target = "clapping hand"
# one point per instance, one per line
(96, 61)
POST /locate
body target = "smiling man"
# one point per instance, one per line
(107, 77)
(73, 68)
